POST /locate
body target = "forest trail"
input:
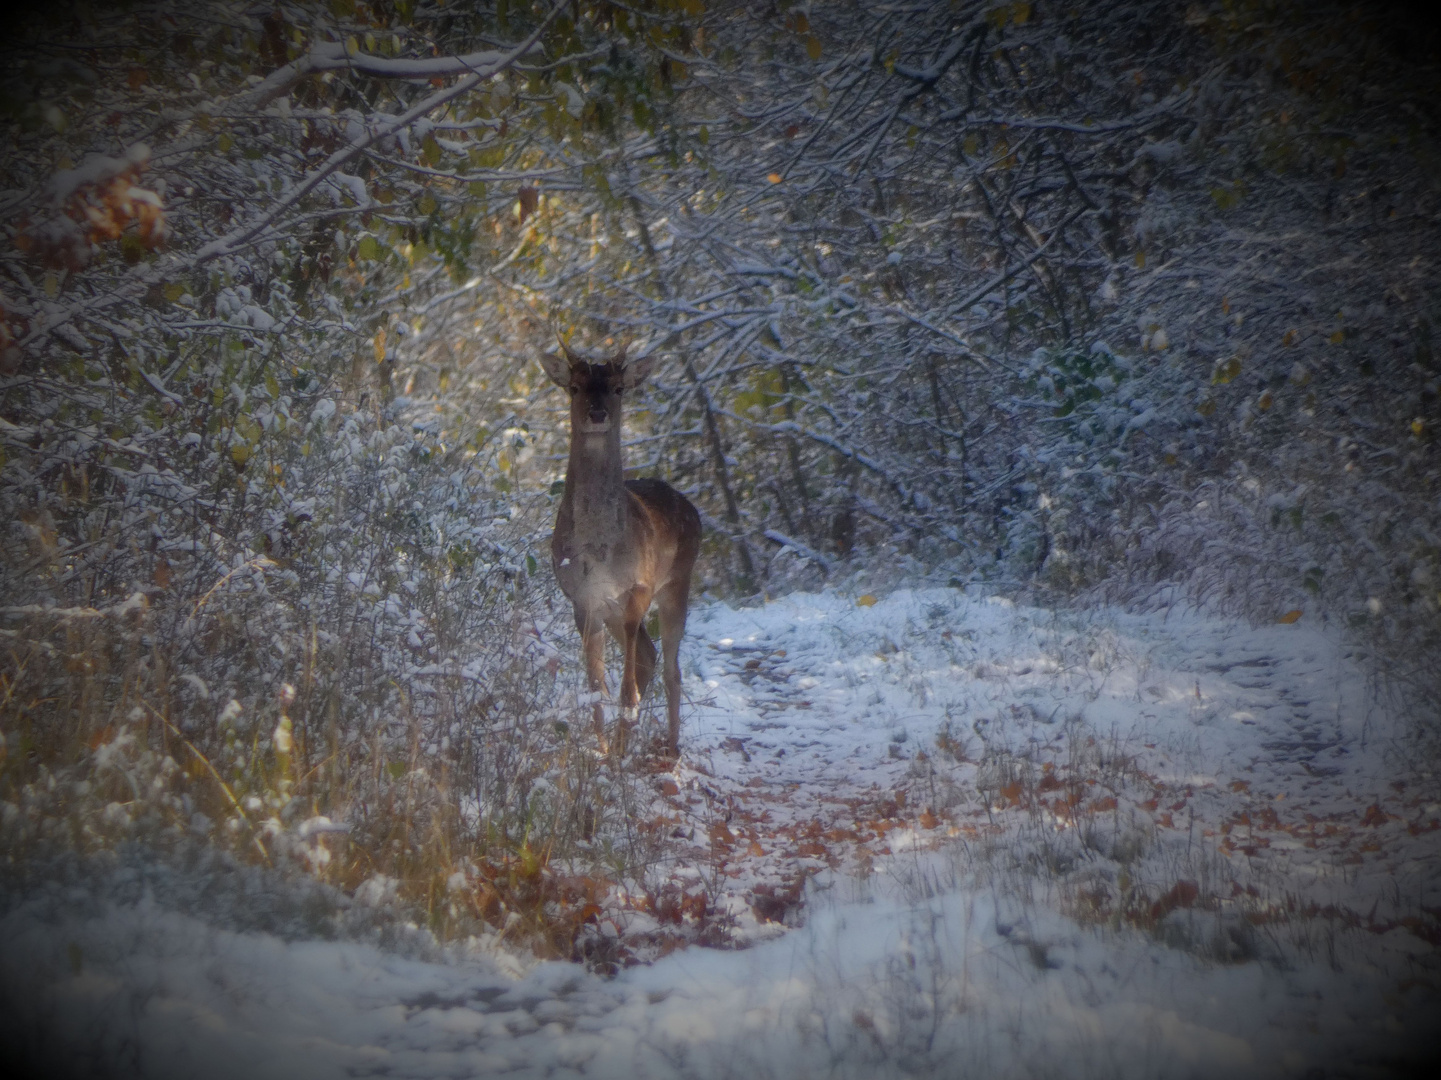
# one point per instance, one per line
(955, 836)
(1197, 761)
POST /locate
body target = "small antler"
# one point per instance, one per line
(564, 348)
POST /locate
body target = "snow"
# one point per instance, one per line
(944, 928)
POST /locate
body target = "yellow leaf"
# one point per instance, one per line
(1141, 260)
(869, 600)
(774, 178)
(1020, 13)
(1225, 306)
(1338, 337)
(1206, 406)
(1226, 371)
(1288, 338)
(380, 345)
(240, 454)
(813, 47)
(352, 47)
(52, 286)
(1290, 616)
(174, 291)
(1265, 401)
(1418, 426)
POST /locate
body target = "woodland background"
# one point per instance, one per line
(1080, 301)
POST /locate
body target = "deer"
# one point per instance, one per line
(620, 545)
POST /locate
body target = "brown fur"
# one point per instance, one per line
(620, 545)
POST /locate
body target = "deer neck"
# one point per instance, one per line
(595, 486)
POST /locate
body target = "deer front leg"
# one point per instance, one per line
(592, 639)
(629, 629)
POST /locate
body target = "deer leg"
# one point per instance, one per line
(629, 629)
(672, 602)
(644, 660)
(592, 639)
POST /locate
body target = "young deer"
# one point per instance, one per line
(619, 544)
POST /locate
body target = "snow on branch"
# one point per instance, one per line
(336, 56)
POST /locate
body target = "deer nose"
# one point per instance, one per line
(597, 416)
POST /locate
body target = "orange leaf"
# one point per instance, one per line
(928, 819)
(756, 849)
(868, 600)
(1290, 616)
(774, 178)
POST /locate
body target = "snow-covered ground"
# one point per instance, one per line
(959, 838)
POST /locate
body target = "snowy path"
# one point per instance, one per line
(1007, 842)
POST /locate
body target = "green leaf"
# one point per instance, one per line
(530, 565)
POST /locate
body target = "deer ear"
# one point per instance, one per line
(637, 371)
(557, 368)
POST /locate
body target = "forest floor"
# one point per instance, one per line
(930, 834)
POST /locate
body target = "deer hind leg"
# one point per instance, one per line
(672, 602)
(629, 630)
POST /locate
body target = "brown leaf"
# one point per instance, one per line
(529, 199)
(1183, 894)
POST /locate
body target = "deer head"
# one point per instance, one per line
(596, 390)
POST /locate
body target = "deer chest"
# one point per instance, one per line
(592, 581)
